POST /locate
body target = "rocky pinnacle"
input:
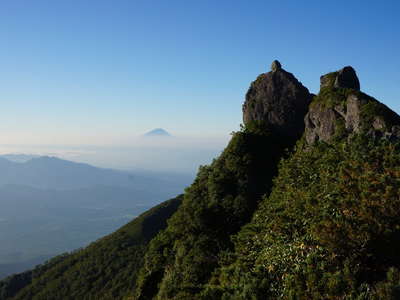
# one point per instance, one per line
(275, 66)
(279, 101)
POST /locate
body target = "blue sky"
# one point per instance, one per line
(95, 71)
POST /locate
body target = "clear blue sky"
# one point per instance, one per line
(77, 68)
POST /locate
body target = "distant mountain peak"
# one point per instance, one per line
(158, 132)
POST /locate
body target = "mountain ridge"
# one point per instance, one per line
(51, 172)
(302, 204)
(131, 240)
(43, 219)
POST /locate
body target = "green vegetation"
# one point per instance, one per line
(221, 200)
(329, 230)
(373, 109)
(106, 269)
(330, 97)
(266, 220)
(329, 79)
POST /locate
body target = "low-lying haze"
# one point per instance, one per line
(169, 154)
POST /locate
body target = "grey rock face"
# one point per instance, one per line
(279, 100)
(328, 80)
(323, 123)
(344, 78)
(352, 117)
(320, 124)
(354, 113)
(347, 78)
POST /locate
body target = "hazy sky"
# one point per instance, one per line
(172, 154)
(102, 72)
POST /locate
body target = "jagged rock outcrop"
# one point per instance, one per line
(344, 78)
(275, 66)
(340, 110)
(278, 100)
(259, 222)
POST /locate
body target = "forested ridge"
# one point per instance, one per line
(103, 270)
(304, 203)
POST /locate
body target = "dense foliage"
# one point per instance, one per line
(329, 230)
(106, 269)
(327, 226)
(221, 200)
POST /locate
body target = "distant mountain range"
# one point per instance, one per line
(303, 203)
(47, 172)
(49, 205)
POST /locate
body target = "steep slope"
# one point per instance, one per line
(225, 194)
(104, 270)
(320, 221)
(331, 227)
(329, 230)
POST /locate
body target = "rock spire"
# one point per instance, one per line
(279, 101)
(275, 66)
